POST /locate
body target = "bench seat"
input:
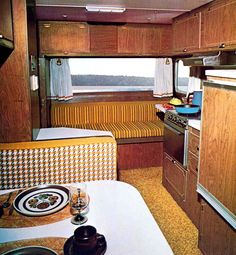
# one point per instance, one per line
(130, 129)
(27, 164)
(124, 119)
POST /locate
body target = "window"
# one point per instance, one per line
(112, 74)
(182, 77)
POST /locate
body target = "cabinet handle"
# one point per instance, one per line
(184, 50)
(46, 25)
(196, 169)
(222, 46)
(66, 52)
(198, 148)
(1, 36)
(173, 161)
(65, 16)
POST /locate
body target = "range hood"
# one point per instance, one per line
(218, 59)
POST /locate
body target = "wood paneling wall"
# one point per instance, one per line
(32, 48)
(140, 155)
(15, 112)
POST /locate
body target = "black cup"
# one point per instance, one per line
(85, 240)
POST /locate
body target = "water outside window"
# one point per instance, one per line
(112, 74)
(182, 77)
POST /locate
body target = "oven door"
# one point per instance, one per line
(174, 144)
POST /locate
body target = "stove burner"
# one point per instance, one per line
(179, 121)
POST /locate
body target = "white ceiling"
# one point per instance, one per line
(137, 11)
(183, 5)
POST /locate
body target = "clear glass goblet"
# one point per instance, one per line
(79, 201)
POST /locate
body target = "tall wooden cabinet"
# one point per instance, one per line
(15, 106)
(216, 236)
(217, 175)
(218, 144)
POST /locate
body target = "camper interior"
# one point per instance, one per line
(120, 114)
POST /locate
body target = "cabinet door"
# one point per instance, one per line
(174, 179)
(192, 202)
(186, 33)
(193, 141)
(6, 31)
(218, 26)
(103, 39)
(151, 40)
(216, 237)
(130, 39)
(166, 39)
(65, 38)
(218, 144)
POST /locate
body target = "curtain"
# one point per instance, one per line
(163, 84)
(194, 84)
(60, 79)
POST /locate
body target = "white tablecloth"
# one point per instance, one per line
(63, 133)
(118, 212)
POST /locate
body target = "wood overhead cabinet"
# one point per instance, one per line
(186, 33)
(103, 39)
(64, 38)
(218, 26)
(6, 30)
(144, 39)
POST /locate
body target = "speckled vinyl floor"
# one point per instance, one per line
(179, 231)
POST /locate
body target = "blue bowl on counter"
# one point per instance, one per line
(187, 109)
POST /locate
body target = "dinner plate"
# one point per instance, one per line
(41, 200)
(31, 250)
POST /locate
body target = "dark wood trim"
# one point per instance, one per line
(116, 96)
(137, 140)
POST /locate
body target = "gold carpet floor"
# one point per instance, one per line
(179, 231)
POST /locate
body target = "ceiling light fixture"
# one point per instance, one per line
(104, 9)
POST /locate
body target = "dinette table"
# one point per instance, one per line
(117, 211)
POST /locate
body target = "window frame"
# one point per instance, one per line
(111, 89)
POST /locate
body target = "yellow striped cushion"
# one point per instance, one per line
(72, 114)
(129, 129)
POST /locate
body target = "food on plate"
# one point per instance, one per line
(43, 205)
(53, 199)
(168, 107)
(175, 101)
(33, 202)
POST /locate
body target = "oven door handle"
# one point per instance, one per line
(172, 129)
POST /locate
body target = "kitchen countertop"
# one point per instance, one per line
(195, 124)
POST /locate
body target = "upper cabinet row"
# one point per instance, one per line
(72, 38)
(211, 28)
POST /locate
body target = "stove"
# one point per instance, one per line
(180, 121)
(176, 135)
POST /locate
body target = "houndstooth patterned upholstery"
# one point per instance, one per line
(57, 161)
